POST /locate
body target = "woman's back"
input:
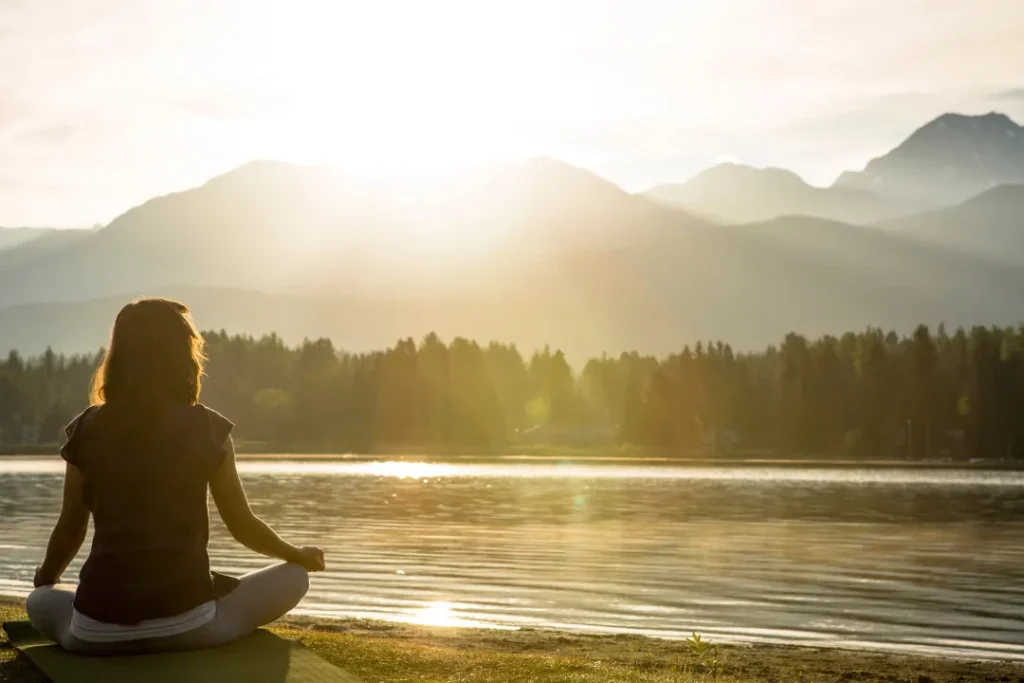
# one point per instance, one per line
(146, 477)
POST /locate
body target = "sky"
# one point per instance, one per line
(106, 103)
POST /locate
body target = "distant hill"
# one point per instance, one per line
(12, 237)
(948, 160)
(43, 242)
(747, 284)
(735, 193)
(750, 284)
(279, 227)
(991, 225)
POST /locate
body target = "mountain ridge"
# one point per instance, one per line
(990, 224)
(947, 160)
(737, 193)
(533, 252)
(274, 226)
(749, 284)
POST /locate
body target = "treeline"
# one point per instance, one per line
(869, 394)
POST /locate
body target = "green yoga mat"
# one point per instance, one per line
(260, 658)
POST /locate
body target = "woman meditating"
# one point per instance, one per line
(140, 460)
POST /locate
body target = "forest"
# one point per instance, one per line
(869, 394)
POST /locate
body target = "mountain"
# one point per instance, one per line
(991, 225)
(534, 253)
(948, 160)
(747, 284)
(735, 193)
(751, 284)
(12, 237)
(272, 226)
(43, 242)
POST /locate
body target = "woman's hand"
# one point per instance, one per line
(42, 578)
(310, 557)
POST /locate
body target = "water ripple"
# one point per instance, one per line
(906, 560)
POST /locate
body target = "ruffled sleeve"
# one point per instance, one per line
(74, 447)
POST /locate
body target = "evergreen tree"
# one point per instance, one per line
(869, 394)
(923, 393)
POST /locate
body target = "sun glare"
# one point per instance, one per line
(413, 97)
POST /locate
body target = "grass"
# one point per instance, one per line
(391, 653)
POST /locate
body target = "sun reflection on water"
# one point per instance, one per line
(436, 614)
(440, 613)
(409, 470)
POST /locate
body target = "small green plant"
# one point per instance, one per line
(704, 655)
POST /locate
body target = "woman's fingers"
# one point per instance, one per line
(314, 558)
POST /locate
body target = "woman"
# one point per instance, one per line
(140, 460)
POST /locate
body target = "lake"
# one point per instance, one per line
(925, 561)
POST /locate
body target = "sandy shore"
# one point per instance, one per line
(380, 651)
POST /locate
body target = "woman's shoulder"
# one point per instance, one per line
(210, 414)
(81, 421)
(75, 434)
(220, 427)
(202, 430)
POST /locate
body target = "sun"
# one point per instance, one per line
(406, 111)
(447, 87)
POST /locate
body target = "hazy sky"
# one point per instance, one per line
(104, 103)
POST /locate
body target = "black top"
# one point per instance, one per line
(146, 483)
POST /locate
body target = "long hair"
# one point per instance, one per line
(155, 357)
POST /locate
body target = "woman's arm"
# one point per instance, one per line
(247, 528)
(69, 532)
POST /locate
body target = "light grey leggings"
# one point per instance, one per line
(260, 598)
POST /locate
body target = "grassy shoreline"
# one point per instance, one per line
(389, 653)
